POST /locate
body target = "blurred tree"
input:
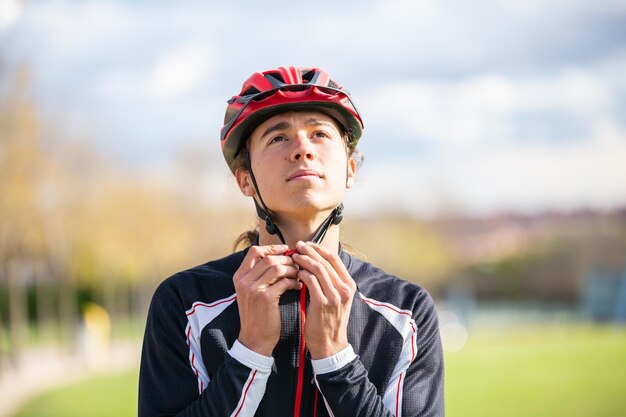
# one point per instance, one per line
(21, 233)
(554, 262)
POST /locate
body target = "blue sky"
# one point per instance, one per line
(477, 106)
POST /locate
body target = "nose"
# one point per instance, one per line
(303, 148)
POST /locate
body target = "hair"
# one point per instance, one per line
(248, 237)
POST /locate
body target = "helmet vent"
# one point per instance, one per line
(307, 76)
(250, 90)
(276, 75)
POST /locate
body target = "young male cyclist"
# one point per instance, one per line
(292, 325)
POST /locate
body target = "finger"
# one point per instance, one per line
(307, 249)
(273, 266)
(276, 273)
(283, 285)
(343, 284)
(322, 276)
(335, 261)
(315, 290)
(312, 251)
(256, 253)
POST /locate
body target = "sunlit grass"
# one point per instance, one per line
(101, 396)
(504, 372)
(539, 371)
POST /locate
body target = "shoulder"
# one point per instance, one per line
(373, 283)
(211, 280)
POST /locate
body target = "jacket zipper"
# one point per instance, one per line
(301, 357)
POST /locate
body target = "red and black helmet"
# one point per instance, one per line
(268, 93)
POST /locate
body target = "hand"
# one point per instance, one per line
(263, 276)
(331, 291)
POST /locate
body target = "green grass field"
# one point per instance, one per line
(545, 371)
(101, 396)
(531, 371)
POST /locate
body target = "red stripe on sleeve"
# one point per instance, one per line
(244, 394)
(398, 395)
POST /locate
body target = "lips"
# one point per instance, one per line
(304, 173)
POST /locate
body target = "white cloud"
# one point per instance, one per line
(180, 71)
(586, 174)
(589, 173)
(442, 111)
(483, 109)
(72, 30)
(483, 157)
(10, 11)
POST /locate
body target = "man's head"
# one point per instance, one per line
(298, 129)
(266, 94)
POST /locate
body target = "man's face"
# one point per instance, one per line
(300, 163)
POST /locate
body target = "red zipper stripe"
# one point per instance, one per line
(296, 410)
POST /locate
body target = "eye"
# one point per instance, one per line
(321, 134)
(277, 138)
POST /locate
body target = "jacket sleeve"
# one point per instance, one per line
(168, 381)
(418, 390)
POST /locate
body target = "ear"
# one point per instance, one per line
(244, 182)
(351, 174)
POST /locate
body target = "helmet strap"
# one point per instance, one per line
(264, 213)
(335, 217)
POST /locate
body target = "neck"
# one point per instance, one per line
(295, 231)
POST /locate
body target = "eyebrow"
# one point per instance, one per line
(277, 126)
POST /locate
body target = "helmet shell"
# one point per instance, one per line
(266, 94)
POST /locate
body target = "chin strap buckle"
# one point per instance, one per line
(338, 216)
(269, 226)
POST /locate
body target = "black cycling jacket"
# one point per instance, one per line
(193, 365)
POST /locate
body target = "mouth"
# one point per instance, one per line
(304, 174)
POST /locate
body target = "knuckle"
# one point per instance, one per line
(330, 302)
(265, 263)
(276, 269)
(241, 290)
(345, 286)
(345, 294)
(317, 269)
(239, 278)
(337, 298)
(320, 300)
